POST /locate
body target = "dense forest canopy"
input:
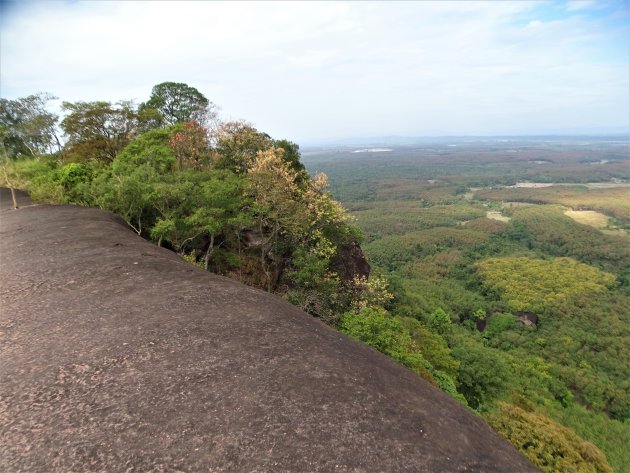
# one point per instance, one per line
(493, 294)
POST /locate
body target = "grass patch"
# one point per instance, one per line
(588, 217)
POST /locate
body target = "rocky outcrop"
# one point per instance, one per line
(116, 355)
(349, 262)
(528, 319)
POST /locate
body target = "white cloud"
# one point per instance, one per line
(319, 69)
(580, 4)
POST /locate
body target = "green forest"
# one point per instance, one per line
(516, 308)
(492, 293)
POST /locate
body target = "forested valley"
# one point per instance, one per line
(511, 297)
(509, 265)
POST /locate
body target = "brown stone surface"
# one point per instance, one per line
(115, 355)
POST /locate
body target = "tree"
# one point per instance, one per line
(98, 131)
(277, 206)
(220, 203)
(175, 102)
(150, 148)
(129, 195)
(6, 178)
(432, 346)
(387, 334)
(175, 198)
(483, 376)
(292, 157)
(439, 322)
(236, 145)
(26, 127)
(190, 145)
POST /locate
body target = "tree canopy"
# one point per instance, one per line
(532, 284)
(175, 102)
(97, 131)
(26, 127)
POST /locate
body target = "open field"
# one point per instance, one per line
(612, 201)
(589, 217)
(494, 215)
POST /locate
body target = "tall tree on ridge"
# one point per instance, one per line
(175, 102)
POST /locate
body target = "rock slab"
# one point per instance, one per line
(116, 355)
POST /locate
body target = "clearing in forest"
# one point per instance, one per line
(589, 217)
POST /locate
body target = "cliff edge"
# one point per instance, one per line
(115, 355)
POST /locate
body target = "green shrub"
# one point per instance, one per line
(387, 334)
(547, 444)
(484, 375)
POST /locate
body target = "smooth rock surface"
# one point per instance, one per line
(116, 355)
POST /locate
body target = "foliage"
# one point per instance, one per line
(369, 292)
(291, 155)
(27, 129)
(483, 376)
(532, 284)
(237, 144)
(433, 347)
(175, 102)
(387, 219)
(612, 436)
(387, 334)
(391, 251)
(425, 293)
(439, 322)
(150, 148)
(406, 341)
(498, 324)
(97, 131)
(547, 444)
(573, 364)
(190, 145)
(129, 195)
(547, 228)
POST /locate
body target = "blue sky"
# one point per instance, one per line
(328, 70)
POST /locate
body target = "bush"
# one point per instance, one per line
(385, 333)
(547, 444)
(484, 375)
(497, 324)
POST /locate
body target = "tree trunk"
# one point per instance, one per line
(240, 256)
(6, 178)
(206, 259)
(263, 257)
(15, 205)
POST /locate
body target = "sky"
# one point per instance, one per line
(323, 71)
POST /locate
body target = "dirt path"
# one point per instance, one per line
(115, 355)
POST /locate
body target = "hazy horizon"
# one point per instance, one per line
(403, 140)
(318, 72)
